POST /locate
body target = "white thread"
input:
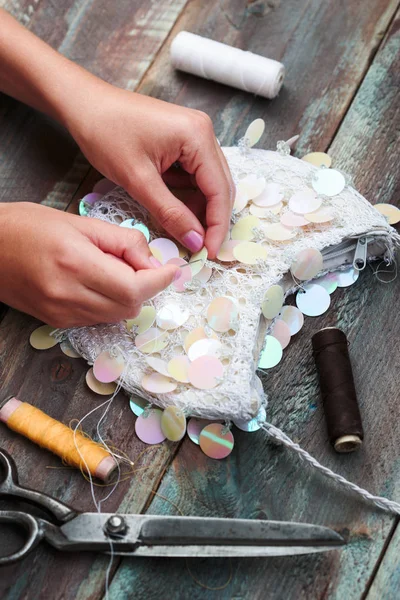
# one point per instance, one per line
(379, 501)
(238, 68)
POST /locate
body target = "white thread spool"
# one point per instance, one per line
(238, 68)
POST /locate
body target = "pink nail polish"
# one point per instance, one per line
(177, 274)
(156, 263)
(193, 240)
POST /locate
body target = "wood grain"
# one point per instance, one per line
(277, 485)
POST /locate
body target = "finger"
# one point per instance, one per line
(129, 245)
(169, 212)
(178, 178)
(201, 157)
(116, 280)
(232, 187)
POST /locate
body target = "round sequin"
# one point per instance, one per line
(103, 389)
(329, 282)
(271, 354)
(328, 182)
(155, 383)
(250, 253)
(253, 424)
(313, 301)
(152, 340)
(41, 338)
(252, 185)
(164, 249)
(204, 275)
(222, 314)
(307, 264)
(108, 366)
(318, 159)
(254, 132)
(271, 195)
(173, 423)
(241, 199)
(172, 316)
(282, 333)
(104, 186)
(148, 428)
(87, 202)
(143, 321)
(293, 317)
(225, 253)
(304, 202)
(347, 277)
(215, 441)
(128, 223)
(205, 371)
(265, 212)
(198, 260)
(243, 230)
(197, 334)
(273, 301)
(138, 405)
(195, 427)
(143, 229)
(178, 368)
(322, 215)
(205, 347)
(68, 350)
(158, 364)
(185, 274)
(289, 219)
(279, 233)
(392, 213)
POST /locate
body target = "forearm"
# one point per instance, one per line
(34, 73)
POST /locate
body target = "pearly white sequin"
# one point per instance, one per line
(254, 132)
(250, 253)
(347, 277)
(155, 383)
(271, 195)
(204, 347)
(271, 354)
(171, 316)
(244, 229)
(273, 301)
(279, 233)
(293, 317)
(313, 301)
(328, 182)
(307, 264)
(304, 202)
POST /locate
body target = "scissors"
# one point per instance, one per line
(151, 535)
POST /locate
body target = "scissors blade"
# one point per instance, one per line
(147, 535)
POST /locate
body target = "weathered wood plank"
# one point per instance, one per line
(277, 485)
(39, 162)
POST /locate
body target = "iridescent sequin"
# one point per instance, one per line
(148, 428)
(173, 423)
(215, 441)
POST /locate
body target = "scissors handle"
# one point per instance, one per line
(32, 527)
(9, 486)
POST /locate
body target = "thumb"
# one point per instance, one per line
(129, 245)
(169, 212)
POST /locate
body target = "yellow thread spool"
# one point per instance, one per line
(73, 447)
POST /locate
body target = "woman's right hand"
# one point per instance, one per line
(71, 271)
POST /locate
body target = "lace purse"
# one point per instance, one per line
(198, 344)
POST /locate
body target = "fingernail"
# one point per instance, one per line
(156, 263)
(177, 274)
(194, 241)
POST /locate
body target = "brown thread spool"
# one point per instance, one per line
(338, 392)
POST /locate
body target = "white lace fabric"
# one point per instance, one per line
(237, 396)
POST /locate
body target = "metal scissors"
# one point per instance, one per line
(151, 535)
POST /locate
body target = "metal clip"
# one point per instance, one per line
(360, 255)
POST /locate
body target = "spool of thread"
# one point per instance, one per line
(48, 433)
(238, 68)
(337, 388)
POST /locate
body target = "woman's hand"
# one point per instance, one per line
(134, 141)
(69, 271)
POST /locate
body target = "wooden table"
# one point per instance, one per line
(341, 96)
